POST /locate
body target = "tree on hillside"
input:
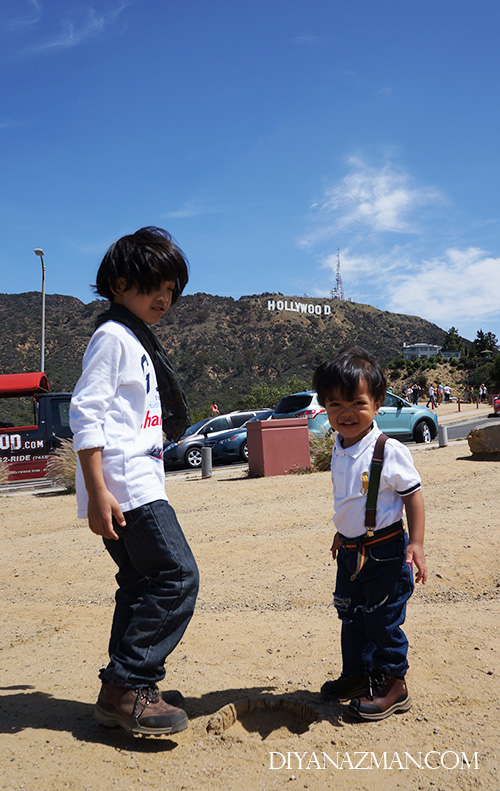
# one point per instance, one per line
(495, 372)
(485, 342)
(452, 340)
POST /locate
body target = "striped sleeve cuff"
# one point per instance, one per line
(410, 490)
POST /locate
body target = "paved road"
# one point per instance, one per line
(461, 429)
(216, 468)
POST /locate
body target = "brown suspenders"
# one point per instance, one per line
(371, 537)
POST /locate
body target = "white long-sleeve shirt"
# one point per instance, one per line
(116, 407)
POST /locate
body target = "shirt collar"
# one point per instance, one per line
(360, 447)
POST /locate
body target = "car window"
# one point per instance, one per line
(293, 403)
(195, 427)
(392, 400)
(261, 416)
(217, 424)
(238, 420)
(60, 412)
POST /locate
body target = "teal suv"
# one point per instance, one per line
(399, 419)
(396, 417)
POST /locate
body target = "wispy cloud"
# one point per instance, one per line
(365, 211)
(384, 199)
(384, 92)
(358, 267)
(198, 207)
(380, 200)
(77, 30)
(11, 123)
(190, 209)
(458, 286)
(363, 273)
(31, 16)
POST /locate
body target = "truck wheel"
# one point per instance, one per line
(244, 451)
(193, 458)
(422, 432)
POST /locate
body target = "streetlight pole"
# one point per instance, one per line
(39, 252)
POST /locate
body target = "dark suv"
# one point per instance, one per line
(186, 452)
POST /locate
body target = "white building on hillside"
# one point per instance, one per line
(412, 351)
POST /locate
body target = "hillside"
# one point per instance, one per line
(218, 345)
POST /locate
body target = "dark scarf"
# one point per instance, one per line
(175, 410)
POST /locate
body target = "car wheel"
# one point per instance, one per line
(244, 451)
(193, 458)
(422, 432)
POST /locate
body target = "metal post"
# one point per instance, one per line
(206, 462)
(443, 436)
(39, 252)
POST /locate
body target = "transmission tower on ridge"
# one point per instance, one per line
(338, 291)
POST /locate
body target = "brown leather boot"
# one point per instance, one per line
(344, 687)
(388, 696)
(138, 710)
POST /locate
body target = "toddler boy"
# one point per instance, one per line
(374, 561)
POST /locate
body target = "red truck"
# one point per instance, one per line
(25, 449)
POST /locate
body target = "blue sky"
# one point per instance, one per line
(264, 136)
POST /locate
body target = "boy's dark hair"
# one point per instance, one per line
(143, 260)
(342, 375)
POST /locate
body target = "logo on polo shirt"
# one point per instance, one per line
(364, 484)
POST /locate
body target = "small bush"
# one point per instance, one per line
(299, 470)
(61, 466)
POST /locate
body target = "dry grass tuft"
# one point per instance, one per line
(61, 466)
(321, 451)
(4, 477)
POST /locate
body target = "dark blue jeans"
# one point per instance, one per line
(157, 588)
(372, 609)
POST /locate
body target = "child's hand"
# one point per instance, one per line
(102, 507)
(415, 514)
(335, 546)
(415, 554)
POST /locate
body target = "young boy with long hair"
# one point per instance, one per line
(126, 395)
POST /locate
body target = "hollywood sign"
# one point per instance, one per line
(299, 307)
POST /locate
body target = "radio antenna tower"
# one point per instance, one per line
(338, 291)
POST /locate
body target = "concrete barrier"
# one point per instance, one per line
(277, 446)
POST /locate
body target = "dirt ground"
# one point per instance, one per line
(263, 627)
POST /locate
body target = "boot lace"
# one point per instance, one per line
(376, 681)
(145, 696)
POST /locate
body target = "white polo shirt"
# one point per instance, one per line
(350, 475)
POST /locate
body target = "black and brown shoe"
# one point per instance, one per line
(345, 687)
(174, 697)
(389, 695)
(142, 710)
